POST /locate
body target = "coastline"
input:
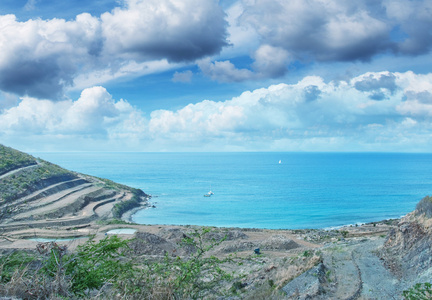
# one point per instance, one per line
(183, 185)
(128, 217)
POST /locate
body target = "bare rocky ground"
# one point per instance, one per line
(373, 261)
(341, 265)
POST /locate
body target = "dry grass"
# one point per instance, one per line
(25, 285)
(294, 268)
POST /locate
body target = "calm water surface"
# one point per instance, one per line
(305, 190)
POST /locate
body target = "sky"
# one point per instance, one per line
(207, 75)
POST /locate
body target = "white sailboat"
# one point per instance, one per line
(209, 193)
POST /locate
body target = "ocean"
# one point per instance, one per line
(264, 190)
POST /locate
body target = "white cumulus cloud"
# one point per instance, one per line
(95, 114)
(139, 37)
(311, 114)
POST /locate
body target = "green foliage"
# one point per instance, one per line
(9, 264)
(11, 159)
(109, 184)
(420, 291)
(191, 277)
(95, 264)
(57, 273)
(12, 187)
(271, 283)
(237, 287)
(114, 222)
(120, 208)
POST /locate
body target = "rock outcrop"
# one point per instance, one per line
(407, 251)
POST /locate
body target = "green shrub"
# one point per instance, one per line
(91, 266)
(344, 233)
(95, 264)
(57, 273)
(12, 187)
(120, 208)
(13, 262)
(11, 159)
(192, 277)
(420, 291)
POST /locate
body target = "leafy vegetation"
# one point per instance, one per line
(55, 273)
(94, 264)
(113, 222)
(191, 277)
(420, 291)
(11, 159)
(14, 262)
(108, 268)
(120, 208)
(12, 187)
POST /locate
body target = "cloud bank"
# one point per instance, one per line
(142, 37)
(50, 54)
(322, 31)
(372, 112)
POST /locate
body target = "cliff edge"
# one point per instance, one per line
(407, 251)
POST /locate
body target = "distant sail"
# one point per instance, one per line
(280, 161)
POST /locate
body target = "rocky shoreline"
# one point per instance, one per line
(353, 262)
(284, 254)
(377, 260)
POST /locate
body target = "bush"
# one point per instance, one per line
(24, 183)
(95, 264)
(420, 291)
(120, 208)
(9, 264)
(56, 273)
(193, 277)
(11, 159)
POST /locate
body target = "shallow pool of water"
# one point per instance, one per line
(122, 231)
(47, 240)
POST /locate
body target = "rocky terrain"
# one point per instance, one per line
(374, 261)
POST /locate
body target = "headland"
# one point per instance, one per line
(41, 203)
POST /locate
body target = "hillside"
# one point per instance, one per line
(75, 214)
(35, 194)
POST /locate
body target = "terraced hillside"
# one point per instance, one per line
(35, 193)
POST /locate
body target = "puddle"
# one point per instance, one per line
(47, 240)
(122, 231)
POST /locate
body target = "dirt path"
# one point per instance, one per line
(46, 192)
(54, 197)
(359, 273)
(378, 282)
(68, 197)
(350, 270)
(18, 170)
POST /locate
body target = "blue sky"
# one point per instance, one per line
(203, 75)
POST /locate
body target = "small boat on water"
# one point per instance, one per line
(209, 194)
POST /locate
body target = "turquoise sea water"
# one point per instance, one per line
(305, 190)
